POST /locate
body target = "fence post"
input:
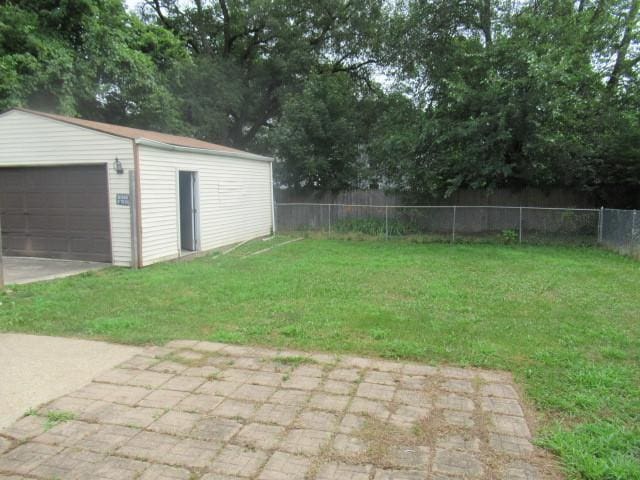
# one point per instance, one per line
(386, 222)
(329, 219)
(453, 227)
(633, 231)
(520, 227)
(600, 224)
(274, 219)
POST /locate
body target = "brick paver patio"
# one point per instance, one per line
(210, 411)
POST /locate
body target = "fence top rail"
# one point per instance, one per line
(434, 206)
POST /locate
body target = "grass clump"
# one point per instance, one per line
(294, 360)
(56, 417)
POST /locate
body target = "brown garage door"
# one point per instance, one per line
(56, 212)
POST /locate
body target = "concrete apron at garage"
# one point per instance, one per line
(37, 369)
(29, 269)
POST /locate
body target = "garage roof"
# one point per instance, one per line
(137, 134)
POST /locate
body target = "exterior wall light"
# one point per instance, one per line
(117, 166)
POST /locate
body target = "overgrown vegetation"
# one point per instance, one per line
(423, 229)
(375, 226)
(563, 320)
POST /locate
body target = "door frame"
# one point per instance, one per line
(195, 192)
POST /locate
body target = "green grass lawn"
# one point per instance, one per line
(565, 321)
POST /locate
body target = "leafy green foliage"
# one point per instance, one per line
(522, 95)
(251, 55)
(88, 58)
(424, 98)
(321, 135)
(509, 236)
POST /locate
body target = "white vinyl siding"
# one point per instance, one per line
(30, 140)
(234, 200)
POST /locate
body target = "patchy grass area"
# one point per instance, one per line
(565, 321)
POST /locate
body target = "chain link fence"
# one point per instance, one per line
(620, 231)
(616, 229)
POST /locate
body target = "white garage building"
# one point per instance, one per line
(77, 189)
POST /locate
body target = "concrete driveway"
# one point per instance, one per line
(27, 269)
(37, 369)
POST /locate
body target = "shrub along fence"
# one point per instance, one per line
(616, 229)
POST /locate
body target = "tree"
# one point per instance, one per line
(249, 55)
(523, 97)
(478, 94)
(322, 135)
(35, 69)
(88, 58)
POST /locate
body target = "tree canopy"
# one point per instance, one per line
(422, 97)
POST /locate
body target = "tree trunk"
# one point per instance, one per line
(226, 28)
(485, 21)
(623, 48)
